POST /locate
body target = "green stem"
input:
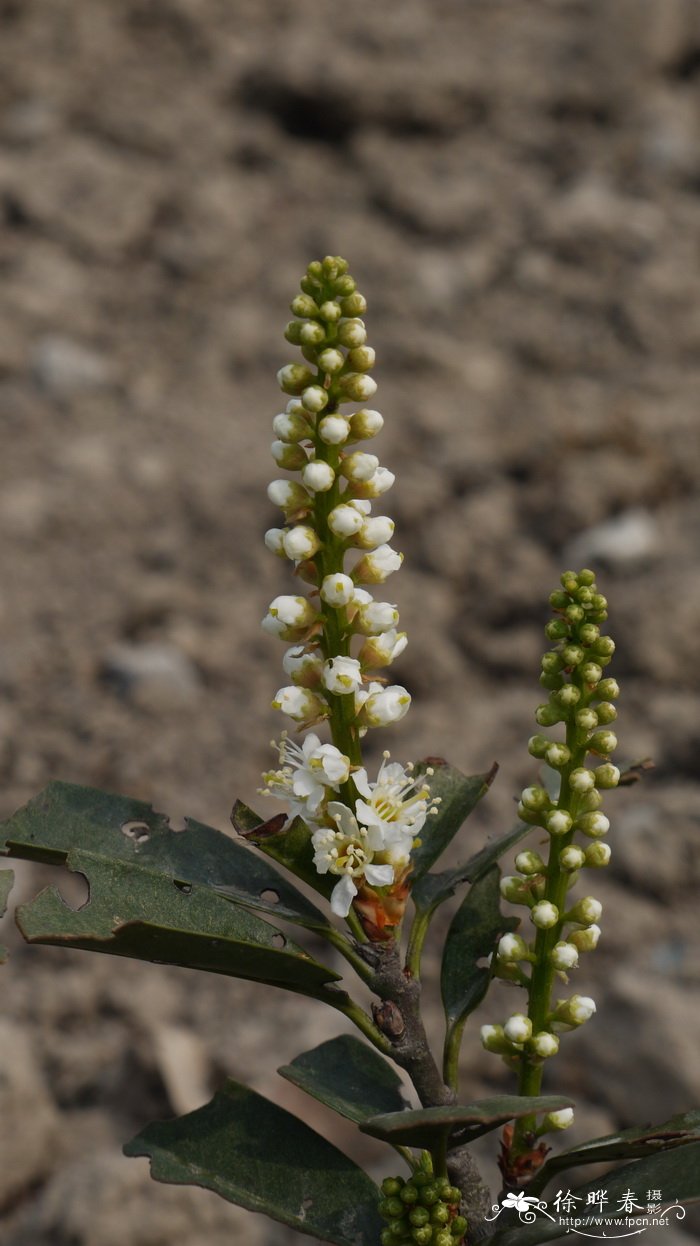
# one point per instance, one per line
(346, 949)
(543, 971)
(416, 939)
(450, 1061)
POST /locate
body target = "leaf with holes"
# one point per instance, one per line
(425, 1127)
(7, 878)
(349, 1077)
(459, 794)
(117, 828)
(475, 930)
(675, 1173)
(255, 1154)
(135, 911)
(634, 1143)
(289, 845)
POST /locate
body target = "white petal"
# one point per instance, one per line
(347, 822)
(379, 875)
(361, 782)
(342, 896)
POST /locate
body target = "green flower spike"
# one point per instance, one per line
(568, 809)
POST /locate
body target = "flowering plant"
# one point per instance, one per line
(366, 842)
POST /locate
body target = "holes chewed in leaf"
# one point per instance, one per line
(185, 888)
(138, 831)
(278, 940)
(269, 896)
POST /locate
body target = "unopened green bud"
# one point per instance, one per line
(419, 1216)
(599, 602)
(608, 689)
(595, 824)
(331, 360)
(361, 358)
(558, 822)
(573, 1012)
(512, 947)
(398, 1228)
(365, 424)
(571, 858)
(444, 1238)
(357, 386)
(569, 580)
(352, 333)
(572, 655)
(314, 399)
(589, 802)
(304, 305)
(311, 333)
(293, 378)
(586, 912)
(391, 1208)
(557, 1120)
(604, 646)
(493, 1039)
(409, 1194)
(586, 577)
(344, 285)
(597, 855)
(544, 1044)
(422, 1235)
(568, 696)
(391, 1186)
(585, 940)
(291, 428)
(440, 1214)
(606, 712)
(529, 862)
(604, 742)
(518, 1028)
(574, 613)
(581, 780)
(354, 305)
(293, 333)
(607, 775)
(558, 756)
(386, 1237)
(289, 457)
(459, 1226)
(537, 746)
(544, 914)
(535, 798)
(591, 673)
(586, 719)
(330, 311)
(556, 629)
(548, 715)
(559, 599)
(429, 1195)
(564, 956)
(588, 633)
(551, 663)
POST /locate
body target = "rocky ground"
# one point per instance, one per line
(516, 186)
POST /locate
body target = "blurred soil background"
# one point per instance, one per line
(517, 188)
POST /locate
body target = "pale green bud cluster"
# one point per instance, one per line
(329, 533)
(581, 699)
(422, 1210)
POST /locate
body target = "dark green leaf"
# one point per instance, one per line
(627, 1144)
(290, 846)
(423, 1127)
(675, 1173)
(349, 1077)
(475, 930)
(255, 1154)
(66, 816)
(134, 911)
(459, 794)
(433, 889)
(7, 878)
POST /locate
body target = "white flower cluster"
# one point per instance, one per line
(328, 515)
(374, 842)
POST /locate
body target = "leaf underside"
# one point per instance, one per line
(633, 1143)
(349, 1077)
(7, 878)
(254, 1153)
(475, 930)
(66, 816)
(675, 1172)
(423, 1127)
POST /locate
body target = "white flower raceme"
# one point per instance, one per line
(397, 802)
(306, 775)
(349, 851)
